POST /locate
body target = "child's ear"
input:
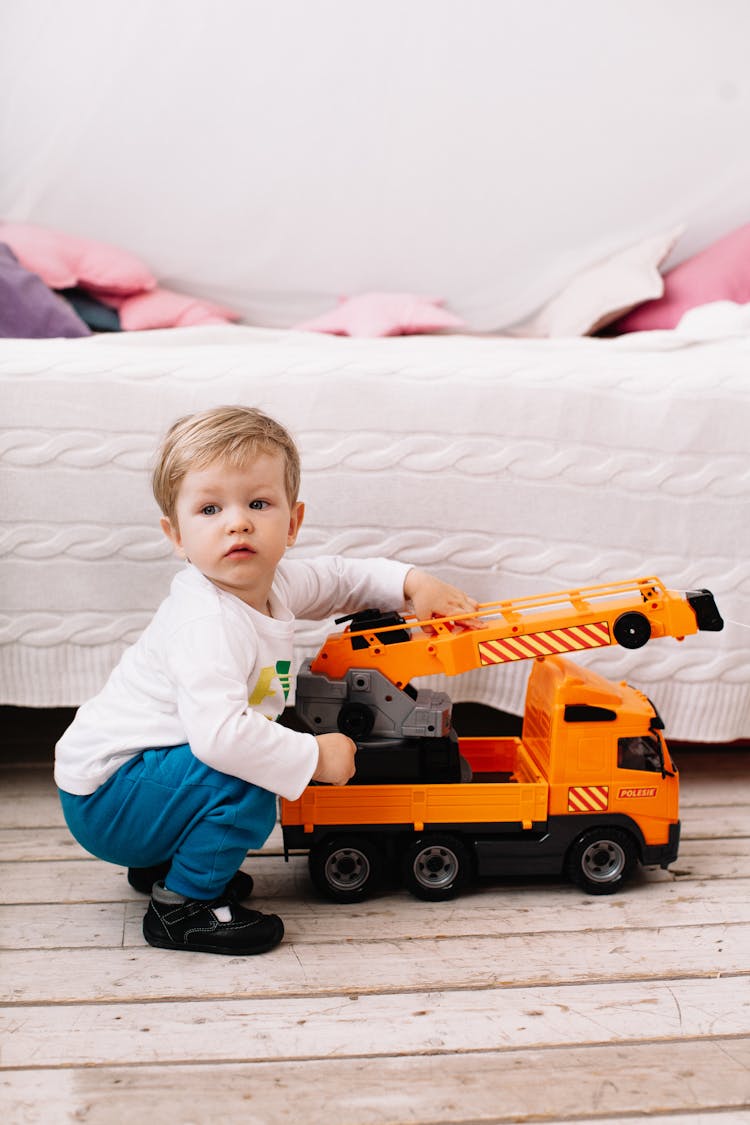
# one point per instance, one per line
(295, 523)
(172, 533)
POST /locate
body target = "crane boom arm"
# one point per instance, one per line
(628, 613)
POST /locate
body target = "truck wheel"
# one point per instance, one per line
(436, 867)
(345, 868)
(602, 860)
(632, 630)
(355, 720)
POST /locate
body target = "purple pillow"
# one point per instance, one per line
(28, 309)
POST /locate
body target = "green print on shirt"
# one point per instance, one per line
(263, 687)
(282, 671)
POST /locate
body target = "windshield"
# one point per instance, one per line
(640, 753)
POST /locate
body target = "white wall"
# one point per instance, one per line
(275, 155)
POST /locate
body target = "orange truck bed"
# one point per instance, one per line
(505, 789)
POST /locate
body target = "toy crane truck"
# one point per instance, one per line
(589, 790)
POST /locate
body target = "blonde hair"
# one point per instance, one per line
(231, 434)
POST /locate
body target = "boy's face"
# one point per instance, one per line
(234, 525)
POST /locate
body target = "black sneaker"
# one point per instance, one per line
(142, 879)
(218, 926)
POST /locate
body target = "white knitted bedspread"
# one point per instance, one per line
(511, 467)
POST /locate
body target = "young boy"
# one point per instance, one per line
(172, 769)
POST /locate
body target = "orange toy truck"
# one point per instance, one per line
(588, 790)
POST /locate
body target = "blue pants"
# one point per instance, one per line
(167, 805)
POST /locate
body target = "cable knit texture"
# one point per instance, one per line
(511, 467)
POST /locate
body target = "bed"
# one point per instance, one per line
(499, 162)
(509, 466)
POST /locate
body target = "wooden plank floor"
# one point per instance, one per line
(517, 1002)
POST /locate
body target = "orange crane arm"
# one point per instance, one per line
(628, 613)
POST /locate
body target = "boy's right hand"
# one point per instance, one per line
(335, 759)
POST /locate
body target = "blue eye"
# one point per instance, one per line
(209, 510)
(258, 505)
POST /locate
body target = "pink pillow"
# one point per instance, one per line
(383, 314)
(162, 308)
(64, 261)
(721, 272)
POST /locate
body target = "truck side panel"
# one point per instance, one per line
(515, 805)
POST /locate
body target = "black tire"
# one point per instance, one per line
(355, 720)
(346, 868)
(602, 860)
(632, 630)
(437, 867)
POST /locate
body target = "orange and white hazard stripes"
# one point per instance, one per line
(547, 643)
(588, 798)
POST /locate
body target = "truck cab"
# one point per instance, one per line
(601, 746)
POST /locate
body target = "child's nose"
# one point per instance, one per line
(239, 519)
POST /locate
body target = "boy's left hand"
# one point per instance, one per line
(431, 597)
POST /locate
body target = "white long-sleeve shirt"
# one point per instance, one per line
(211, 671)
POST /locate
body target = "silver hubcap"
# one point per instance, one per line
(603, 861)
(435, 866)
(347, 869)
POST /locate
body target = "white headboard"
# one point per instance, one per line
(273, 156)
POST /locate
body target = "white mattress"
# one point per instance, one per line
(510, 467)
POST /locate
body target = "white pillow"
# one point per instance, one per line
(605, 291)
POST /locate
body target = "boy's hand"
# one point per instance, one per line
(335, 759)
(431, 597)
